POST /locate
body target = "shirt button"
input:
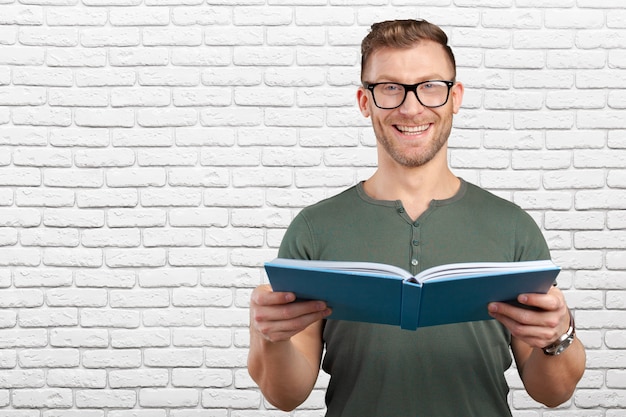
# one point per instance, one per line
(416, 242)
(414, 262)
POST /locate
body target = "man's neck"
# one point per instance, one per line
(414, 187)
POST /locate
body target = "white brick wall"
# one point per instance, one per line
(153, 152)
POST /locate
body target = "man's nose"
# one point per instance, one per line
(411, 103)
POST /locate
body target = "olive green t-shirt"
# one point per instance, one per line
(454, 370)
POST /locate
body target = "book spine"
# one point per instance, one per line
(409, 311)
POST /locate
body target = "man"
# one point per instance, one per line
(414, 213)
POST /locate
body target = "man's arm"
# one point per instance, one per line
(285, 346)
(550, 380)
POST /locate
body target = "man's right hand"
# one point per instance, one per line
(277, 317)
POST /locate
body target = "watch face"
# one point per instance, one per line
(564, 345)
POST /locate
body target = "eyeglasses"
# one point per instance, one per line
(432, 93)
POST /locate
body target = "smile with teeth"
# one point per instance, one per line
(412, 130)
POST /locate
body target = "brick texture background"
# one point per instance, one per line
(152, 153)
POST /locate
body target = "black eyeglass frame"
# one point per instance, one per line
(408, 88)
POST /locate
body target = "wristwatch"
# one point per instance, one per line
(562, 342)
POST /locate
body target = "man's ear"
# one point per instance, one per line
(363, 100)
(457, 96)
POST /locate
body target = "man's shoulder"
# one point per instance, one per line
(343, 200)
(486, 198)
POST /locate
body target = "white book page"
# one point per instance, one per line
(356, 267)
(477, 268)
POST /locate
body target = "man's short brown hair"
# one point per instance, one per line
(403, 34)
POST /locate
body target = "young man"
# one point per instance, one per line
(413, 213)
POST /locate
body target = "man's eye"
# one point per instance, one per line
(391, 88)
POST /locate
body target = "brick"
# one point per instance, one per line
(46, 358)
(197, 257)
(122, 338)
(292, 77)
(22, 15)
(104, 78)
(176, 277)
(49, 237)
(280, 36)
(579, 139)
(73, 218)
(76, 378)
(42, 398)
(76, 58)
(160, 237)
(27, 136)
(42, 116)
(119, 398)
(55, 36)
(133, 177)
(274, 97)
(198, 338)
(204, 137)
(202, 297)
(87, 338)
(168, 397)
(576, 59)
(515, 19)
(139, 16)
(179, 197)
(140, 97)
(57, 16)
(119, 258)
(213, 56)
(171, 318)
(231, 398)
(20, 177)
(22, 96)
(42, 157)
(267, 56)
(574, 221)
(42, 277)
(78, 137)
(262, 16)
(224, 157)
(73, 178)
(110, 37)
(182, 36)
(91, 258)
(137, 378)
(130, 57)
(205, 378)
(181, 77)
(186, 16)
(118, 237)
(541, 160)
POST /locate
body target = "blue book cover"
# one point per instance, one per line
(385, 294)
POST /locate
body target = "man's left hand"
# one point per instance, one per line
(539, 326)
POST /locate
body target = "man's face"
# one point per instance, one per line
(411, 135)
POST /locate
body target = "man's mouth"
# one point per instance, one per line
(412, 130)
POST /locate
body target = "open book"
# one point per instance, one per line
(380, 293)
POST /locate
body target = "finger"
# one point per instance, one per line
(264, 296)
(535, 336)
(551, 301)
(284, 329)
(290, 311)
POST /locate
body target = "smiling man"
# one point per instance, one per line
(413, 213)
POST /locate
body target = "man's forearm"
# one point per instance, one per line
(285, 371)
(551, 380)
